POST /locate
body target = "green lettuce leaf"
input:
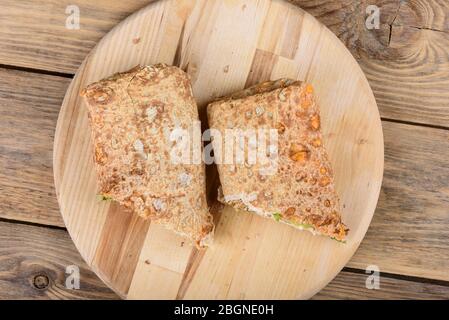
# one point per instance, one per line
(102, 197)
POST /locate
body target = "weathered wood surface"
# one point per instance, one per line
(405, 60)
(29, 107)
(33, 33)
(410, 229)
(33, 262)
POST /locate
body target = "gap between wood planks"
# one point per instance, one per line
(397, 276)
(37, 71)
(33, 224)
(411, 123)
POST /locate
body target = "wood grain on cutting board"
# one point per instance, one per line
(223, 45)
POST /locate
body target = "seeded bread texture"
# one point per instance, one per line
(301, 192)
(131, 116)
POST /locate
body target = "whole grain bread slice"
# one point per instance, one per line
(132, 115)
(300, 191)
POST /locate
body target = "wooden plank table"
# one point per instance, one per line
(406, 62)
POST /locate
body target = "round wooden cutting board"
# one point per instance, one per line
(224, 46)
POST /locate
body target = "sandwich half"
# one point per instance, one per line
(132, 116)
(294, 183)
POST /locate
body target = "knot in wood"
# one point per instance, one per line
(41, 281)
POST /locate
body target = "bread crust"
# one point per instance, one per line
(131, 116)
(301, 193)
